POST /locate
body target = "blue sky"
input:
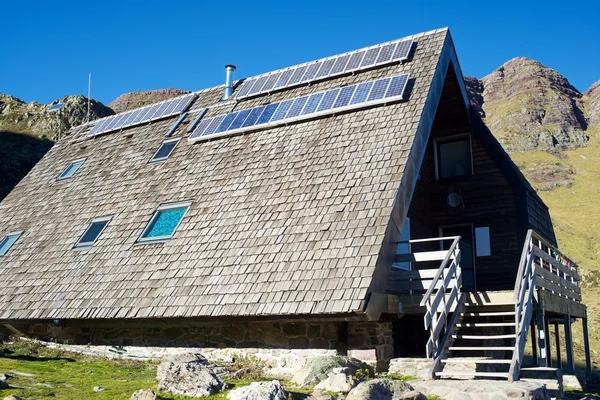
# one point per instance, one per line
(48, 48)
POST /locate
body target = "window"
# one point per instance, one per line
(92, 233)
(164, 151)
(453, 157)
(71, 169)
(7, 242)
(164, 222)
(404, 246)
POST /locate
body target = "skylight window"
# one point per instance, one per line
(164, 222)
(7, 242)
(92, 233)
(164, 151)
(71, 169)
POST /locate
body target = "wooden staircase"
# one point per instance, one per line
(481, 344)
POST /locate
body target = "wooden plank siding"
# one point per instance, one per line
(488, 199)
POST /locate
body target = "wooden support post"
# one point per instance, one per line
(569, 344)
(586, 345)
(557, 338)
(548, 343)
(534, 352)
(542, 341)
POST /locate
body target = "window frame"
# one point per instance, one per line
(448, 139)
(79, 160)
(159, 209)
(5, 239)
(87, 245)
(154, 160)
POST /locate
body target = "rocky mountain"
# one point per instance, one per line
(35, 119)
(529, 106)
(28, 131)
(129, 101)
(591, 100)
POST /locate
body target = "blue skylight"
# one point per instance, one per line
(164, 222)
(7, 242)
(71, 169)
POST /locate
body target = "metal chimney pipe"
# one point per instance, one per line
(228, 81)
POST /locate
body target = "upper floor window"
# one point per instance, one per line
(453, 157)
(92, 233)
(164, 222)
(71, 169)
(7, 242)
(165, 150)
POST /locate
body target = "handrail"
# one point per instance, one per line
(440, 270)
(542, 267)
(523, 297)
(524, 254)
(441, 304)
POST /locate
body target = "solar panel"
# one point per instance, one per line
(369, 57)
(322, 103)
(149, 113)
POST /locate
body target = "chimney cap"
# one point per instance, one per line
(230, 66)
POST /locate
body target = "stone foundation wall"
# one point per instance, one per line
(283, 346)
(371, 342)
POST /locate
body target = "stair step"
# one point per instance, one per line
(471, 348)
(482, 324)
(488, 314)
(474, 374)
(483, 337)
(474, 361)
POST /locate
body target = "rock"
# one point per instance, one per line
(318, 369)
(23, 374)
(192, 377)
(384, 389)
(98, 389)
(13, 397)
(320, 396)
(340, 380)
(143, 394)
(49, 386)
(259, 391)
(4, 377)
(574, 381)
(3, 384)
(481, 389)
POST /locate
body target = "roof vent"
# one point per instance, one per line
(228, 81)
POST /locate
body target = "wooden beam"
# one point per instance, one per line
(534, 350)
(557, 339)
(548, 343)
(542, 341)
(586, 345)
(569, 343)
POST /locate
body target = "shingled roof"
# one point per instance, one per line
(288, 220)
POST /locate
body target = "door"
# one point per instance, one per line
(467, 260)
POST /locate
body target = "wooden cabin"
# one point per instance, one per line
(333, 207)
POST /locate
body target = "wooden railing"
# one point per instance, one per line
(442, 287)
(543, 268)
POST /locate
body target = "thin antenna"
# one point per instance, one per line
(89, 94)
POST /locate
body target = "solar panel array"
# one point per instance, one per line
(141, 115)
(321, 103)
(369, 57)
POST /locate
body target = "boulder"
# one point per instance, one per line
(191, 377)
(13, 397)
(3, 384)
(318, 369)
(143, 394)
(320, 396)
(384, 389)
(339, 380)
(259, 391)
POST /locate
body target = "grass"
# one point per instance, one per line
(64, 375)
(575, 217)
